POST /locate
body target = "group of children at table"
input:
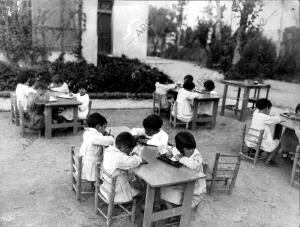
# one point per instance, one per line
(30, 92)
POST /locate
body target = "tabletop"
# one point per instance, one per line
(116, 130)
(290, 123)
(62, 102)
(202, 96)
(244, 84)
(157, 173)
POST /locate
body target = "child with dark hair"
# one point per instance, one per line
(22, 88)
(262, 120)
(94, 138)
(58, 84)
(152, 131)
(188, 78)
(162, 87)
(206, 109)
(186, 153)
(117, 160)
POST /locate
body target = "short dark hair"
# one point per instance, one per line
(40, 85)
(183, 140)
(96, 119)
(162, 79)
(153, 122)
(189, 85)
(263, 103)
(81, 85)
(57, 78)
(125, 139)
(297, 108)
(209, 85)
(23, 77)
(188, 77)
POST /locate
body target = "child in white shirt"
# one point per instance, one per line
(22, 89)
(58, 84)
(162, 87)
(117, 161)
(186, 153)
(152, 131)
(206, 109)
(94, 139)
(262, 120)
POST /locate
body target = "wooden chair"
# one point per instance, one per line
(24, 127)
(173, 116)
(157, 104)
(76, 168)
(102, 175)
(15, 117)
(254, 137)
(295, 177)
(226, 168)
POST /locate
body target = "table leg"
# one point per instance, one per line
(187, 204)
(244, 104)
(267, 95)
(75, 120)
(237, 101)
(48, 122)
(214, 113)
(148, 206)
(224, 99)
(278, 131)
(194, 120)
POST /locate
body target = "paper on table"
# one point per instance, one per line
(52, 99)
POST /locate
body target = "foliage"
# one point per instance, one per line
(113, 74)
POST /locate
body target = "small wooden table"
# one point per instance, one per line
(287, 123)
(158, 174)
(247, 87)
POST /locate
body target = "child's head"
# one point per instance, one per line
(163, 79)
(97, 121)
(125, 142)
(209, 85)
(189, 85)
(185, 143)
(264, 105)
(152, 124)
(297, 110)
(57, 80)
(23, 77)
(188, 78)
(81, 89)
(40, 87)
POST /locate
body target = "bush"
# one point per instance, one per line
(113, 74)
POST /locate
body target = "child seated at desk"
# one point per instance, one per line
(186, 153)
(263, 120)
(117, 161)
(94, 138)
(22, 88)
(58, 84)
(161, 88)
(152, 131)
(206, 109)
(184, 100)
(188, 78)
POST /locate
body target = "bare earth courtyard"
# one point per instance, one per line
(35, 187)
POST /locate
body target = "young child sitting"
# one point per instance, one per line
(206, 109)
(117, 161)
(263, 120)
(58, 84)
(186, 153)
(152, 131)
(188, 78)
(94, 138)
(161, 88)
(22, 89)
(184, 100)
(83, 109)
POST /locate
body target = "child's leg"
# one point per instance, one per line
(272, 155)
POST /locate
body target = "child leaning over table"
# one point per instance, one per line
(94, 138)
(58, 84)
(206, 108)
(162, 87)
(117, 161)
(152, 131)
(186, 153)
(22, 88)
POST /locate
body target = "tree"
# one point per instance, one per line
(161, 22)
(179, 19)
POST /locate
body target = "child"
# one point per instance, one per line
(35, 111)
(58, 84)
(83, 109)
(22, 89)
(184, 101)
(187, 154)
(206, 109)
(161, 88)
(117, 161)
(262, 120)
(152, 131)
(188, 78)
(94, 137)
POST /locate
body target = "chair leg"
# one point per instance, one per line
(133, 212)
(109, 214)
(78, 191)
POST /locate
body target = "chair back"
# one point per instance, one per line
(76, 171)
(226, 168)
(157, 99)
(14, 109)
(295, 176)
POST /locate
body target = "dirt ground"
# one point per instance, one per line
(35, 182)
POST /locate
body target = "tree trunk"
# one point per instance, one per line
(237, 49)
(218, 24)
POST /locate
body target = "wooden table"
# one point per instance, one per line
(158, 174)
(247, 87)
(287, 123)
